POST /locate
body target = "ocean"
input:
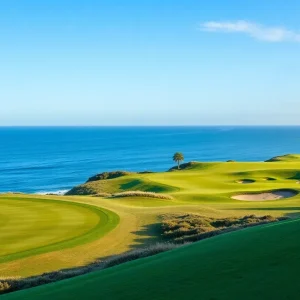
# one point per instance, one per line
(54, 159)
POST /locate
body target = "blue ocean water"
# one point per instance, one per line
(52, 159)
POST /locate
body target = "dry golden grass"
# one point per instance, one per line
(11, 285)
(4, 286)
(192, 227)
(142, 194)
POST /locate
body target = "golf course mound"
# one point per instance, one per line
(128, 183)
(266, 196)
(255, 260)
(285, 158)
(245, 181)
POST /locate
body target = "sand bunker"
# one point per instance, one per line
(269, 178)
(265, 196)
(245, 181)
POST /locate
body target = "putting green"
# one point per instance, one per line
(34, 226)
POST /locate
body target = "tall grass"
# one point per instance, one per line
(4, 286)
(104, 195)
(109, 175)
(192, 227)
(11, 285)
(142, 194)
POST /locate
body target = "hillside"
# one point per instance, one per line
(285, 158)
(196, 181)
(256, 263)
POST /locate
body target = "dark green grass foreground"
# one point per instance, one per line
(256, 263)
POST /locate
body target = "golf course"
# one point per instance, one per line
(116, 212)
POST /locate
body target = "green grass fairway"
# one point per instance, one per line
(256, 263)
(205, 183)
(32, 226)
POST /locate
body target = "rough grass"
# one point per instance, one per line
(184, 166)
(142, 194)
(4, 286)
(192, 227)
(102, 195)
(83, 189)
(11, 285)
(109, 175)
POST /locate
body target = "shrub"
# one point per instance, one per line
(191, 227)
(4, 286)
(108, 175)
(184, 166)
(81, 190)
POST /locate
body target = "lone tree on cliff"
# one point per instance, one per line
(178, 157)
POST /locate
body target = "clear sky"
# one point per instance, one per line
(159, 62)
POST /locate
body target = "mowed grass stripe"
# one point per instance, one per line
(53, 226)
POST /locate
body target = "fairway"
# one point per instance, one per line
(49, 233)
(34, 226)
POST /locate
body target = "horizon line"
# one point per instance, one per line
(176, 125)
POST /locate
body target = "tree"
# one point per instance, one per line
(178, 157)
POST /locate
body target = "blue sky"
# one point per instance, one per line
(149, 62)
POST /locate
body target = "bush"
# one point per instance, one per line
(184, 166)
(108, 175)
(81, 190)
(4, 286)
(191, 227)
